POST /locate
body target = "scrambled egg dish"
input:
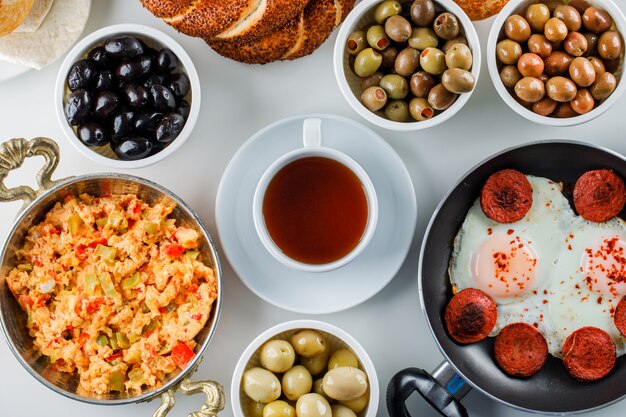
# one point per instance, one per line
(114, 290)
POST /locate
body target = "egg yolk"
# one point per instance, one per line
(504, 265)
(604, 266)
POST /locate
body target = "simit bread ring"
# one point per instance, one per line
(481, 9)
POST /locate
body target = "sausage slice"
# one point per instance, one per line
(520, 350)
(470, 316)
(619, 318)
(506, 196)
(589, 354)
(599, 195)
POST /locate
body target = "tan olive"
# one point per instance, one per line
(359, 404)
(597, 64)
(342, 411)
(356, 42)
(537, 15)
(343, 357)
(386, 9)
(564, 111)
(459, 56)
(604, 86)
(374, 98)
(597, 20)
(377, 37)
(575, 44)
(612, 65)
(389, 55)
(446, 26)
(557, 63)
(561, 89)
(420, 110)
(583, 102)
(421, 83)
(555, 30)
(570, 16)
(277, 356)
(610, 45)
(545, 106)
(423, 12)
(582, 72)
(398, 28)
(544, 78)
(397, 111)
(395, 86)
(407, 62)
(580, 5)
(433, 61)
(279, 409)
(255, 409)
(422, 38)
(371, 81)
(592, 44)
(440, 98)
(530, 89)
(540, 45)
(345, 383)
(317, 364)
(508, 51)
(460, 81)
(530, 65)
(510, 75)
(261, 385)
(296, 382)
(367, 62)
(517, 28)
(450, 43)
(318, 388)
(313, 405)
(308, 343)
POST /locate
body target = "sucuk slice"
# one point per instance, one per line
(619, 318)
(506, 196)
(589, 354)
(599, 195)
(520, 350)
(470, 316)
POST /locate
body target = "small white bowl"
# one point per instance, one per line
(337, 339)
(362, 15)
(497, 34)
(154, 38)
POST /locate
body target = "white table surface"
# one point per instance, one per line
(237, 101)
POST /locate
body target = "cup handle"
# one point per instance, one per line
(213, 404)
(312, 133)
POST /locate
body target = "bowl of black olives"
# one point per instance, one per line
(127, 96)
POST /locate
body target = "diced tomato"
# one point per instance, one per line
(131, 223)
(82, 339)
(54, 231)
(68, 198)
(162, 310)
(80, 250)
(25, 300)
(94, 305)
(42, 299)
(173, 251)
(101, 241)
(114, 356)
(37, 262)
(193, 288)
(53, 275)
(136, 209)
(69, 327)
(196, 316)
(181, 354)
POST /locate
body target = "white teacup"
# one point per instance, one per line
(313, 147)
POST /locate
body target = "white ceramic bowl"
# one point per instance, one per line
(153, 38)
(497, 34)
(362, 15)
(337, 339)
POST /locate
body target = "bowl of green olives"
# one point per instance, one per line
(558, 62)
(127, 96)
(407, 64)
(304, 368)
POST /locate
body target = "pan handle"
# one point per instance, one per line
(443, 390)
(13, 153)
(213, 404)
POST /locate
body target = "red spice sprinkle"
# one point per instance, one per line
(545, 292)
(536, 324)
(535, 292)
(569, 247)
(547, 204)
(545, 301)
(600, 300)
(489, 231)
(510, 231)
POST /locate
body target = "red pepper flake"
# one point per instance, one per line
(163, 310)
(545, 301)
(114, 356)
(536, 324)
(510, 231)
(489, 231)
(599, 300)
(94, 305)
(101, 241)
(196, 316)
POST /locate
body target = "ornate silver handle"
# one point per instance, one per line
(213, 404)
(13, 154)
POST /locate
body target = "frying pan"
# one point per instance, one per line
(552, 390)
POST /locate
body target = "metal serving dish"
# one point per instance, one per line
(36, 204)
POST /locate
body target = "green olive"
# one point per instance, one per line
(459, 56)
(407, 62)
(397, 110)
(343, 357)
(449, 44)
(440, 98)
(261, 385)
(367, 62)
(421, 83)
(395, 86)
(458, 81)
(389, 54)
(279, 409)
(313, 405)
(308, 343)
(446, 26)
(371, 81)
(423, 12)
(345, 383)
(277, 356)
(357, 405)
(255, 409)
(342, 411)
(398, 28)
(386, 9)
(420, 109)
(433, 61)
(374, 98)
(537, 15)
(422, 38)
(508, 51)
(317, 364)
(356, 42)
(296, 382)
(318, 388)
(377, 37)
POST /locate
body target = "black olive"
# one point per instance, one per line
(99, 56)
(167, 60)
(122, 125)
(81, 74)
(123, 47)
(132, 148)
(169, 127)
(147, 120)
(134, 68)
(106, 103)
(179, 84)
(92, 134)
(78, 106)
(183, 109)
(136, 96)
(104, 81)
(154, 78)
(162, 97)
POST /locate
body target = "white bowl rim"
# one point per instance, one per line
(494, 34)
(132, 29)
(338, 56)
(370, 370)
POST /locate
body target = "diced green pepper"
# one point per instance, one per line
(73, 223)
(164, 349)
(133, 337)
(133, 356)
(118, 220)
(113, 342)
(102, 340)
(144, 308)
(116, 381)
(150, 228)
(109, 288)
(150, 326)
(136, 375)
(122, 340)
(106, 252)
(132, 282)
(91, 281)
(193, 254)
(25, 267)
(101, 222)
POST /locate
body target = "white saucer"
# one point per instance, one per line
(327, 292)
(9, 70)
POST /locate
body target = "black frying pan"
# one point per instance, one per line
(552, 390)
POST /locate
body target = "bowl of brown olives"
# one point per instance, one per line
(407, 64)
(127, 96)
(558, 62)
(304, 368)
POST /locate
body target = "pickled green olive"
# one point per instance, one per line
(597, 20)
(447, 26)
(582, 72)
(407, 62)
(537, 15)
(342, 411)
(386, 9)
(508, 51)
(343, 357)
(313, 405)
(261, 385)
(357, 405)
(459, 56)
(604, 86)
(389, 54)
(517, 28)
(420, 109)
(422, 12)
(371, 81)
(538, 44)
(367, 62)
(450, 43)
(458, 81)
(277, 356)
(530, 65)
(397, 110)
(398, 28)
(561, 89)
(256, 409)
(421, 83)
(377, 38)
(570, 16)
(610, 45)
(422, 38)
(555, 30)
(296, 382)
(317, 364)
(530, 89)
(433, 61)
(345, 383)
(279, 409)
(440, 98)
(583, 102)
(575, 44)
(356, 42)
(545, 106)
(510, 75)
(308, 343)
(395, 86)
(318, 388)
